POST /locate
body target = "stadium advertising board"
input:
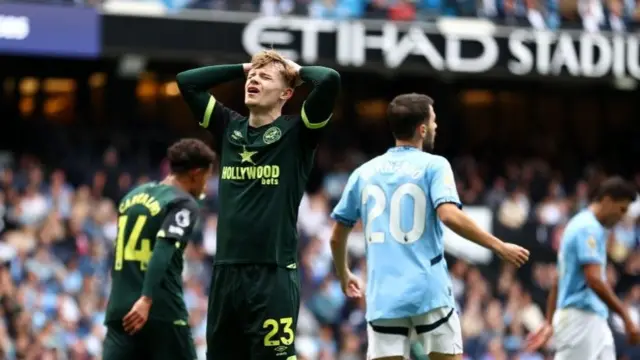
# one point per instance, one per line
(449, 45)
(458, 46)
(31, 29)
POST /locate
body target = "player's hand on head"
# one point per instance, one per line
(294, 65)
(296, 68)
(513, 254)
(137, 316)
(538, 338)
(352, 286)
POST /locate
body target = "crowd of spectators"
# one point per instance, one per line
(590, 15)
(56, 241)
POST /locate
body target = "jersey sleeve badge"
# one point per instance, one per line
(182, 218)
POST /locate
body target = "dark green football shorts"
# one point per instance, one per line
(253, 313)
(156, 341)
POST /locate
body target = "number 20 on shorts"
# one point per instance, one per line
(274, 327)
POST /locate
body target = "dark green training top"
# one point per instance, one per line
(264, 170)
(154, 223)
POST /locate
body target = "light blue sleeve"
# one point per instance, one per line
(442, 184)
(347, 211)
(587, 247)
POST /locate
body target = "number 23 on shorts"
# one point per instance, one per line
(281, 328)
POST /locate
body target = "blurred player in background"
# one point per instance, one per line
(265, 161)
(403, 197)
(582, 295)
(146, 316)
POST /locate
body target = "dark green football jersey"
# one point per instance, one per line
(263, 170)
(150, 213)
(263, 174)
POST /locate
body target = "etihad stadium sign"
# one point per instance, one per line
(447, 46)
(458, 46)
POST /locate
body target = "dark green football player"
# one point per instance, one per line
(265, 161)
(146, 316)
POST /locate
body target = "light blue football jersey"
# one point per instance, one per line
(396, 196)
(584, 241)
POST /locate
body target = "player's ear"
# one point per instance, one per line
(422, 130)
(287, 94)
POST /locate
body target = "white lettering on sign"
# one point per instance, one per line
(525, 51)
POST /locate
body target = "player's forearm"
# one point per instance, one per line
(551, 302)
(606, 294)
(162, 253)
(461, 224)
(204, 78)
(339, 249)
(326, 86)
(195, 85)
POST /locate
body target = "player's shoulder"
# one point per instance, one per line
(426, 159)
(165, 194)
(434, 160)
(368, 168)
(290, 121)
(581, 223)
(139, 189)
(175, 196)
(429, 164)
(227, 111)
(235, 119)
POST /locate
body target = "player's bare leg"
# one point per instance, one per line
(390, 358)
(440, 356)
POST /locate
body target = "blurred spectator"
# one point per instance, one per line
(336, 9)
(592, 14)
(402, 10)
(277, 7)
(514, 210)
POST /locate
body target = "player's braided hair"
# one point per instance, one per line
(406, 112)
(189, 154)
(266, 57)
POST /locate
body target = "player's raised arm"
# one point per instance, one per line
(318, 107)
(346, 214)
(195, 85)
(447, 204)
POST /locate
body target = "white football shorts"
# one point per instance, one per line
(437, 331)
(582, 335)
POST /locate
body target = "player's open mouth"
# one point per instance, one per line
(252, 90)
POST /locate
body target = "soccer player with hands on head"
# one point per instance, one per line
(265, 161)
(403, 197)
(581, 293)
